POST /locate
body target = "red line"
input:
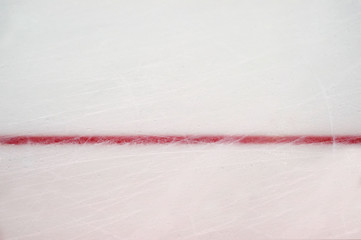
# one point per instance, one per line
(180, 139)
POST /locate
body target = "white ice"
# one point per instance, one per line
(180, 67)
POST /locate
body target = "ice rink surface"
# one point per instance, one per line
(87, 67)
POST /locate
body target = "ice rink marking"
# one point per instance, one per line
(178, 139)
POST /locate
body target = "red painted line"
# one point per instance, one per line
(179, 139)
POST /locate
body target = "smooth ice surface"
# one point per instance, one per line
(180, 192)
(180, 67)
(275, 67)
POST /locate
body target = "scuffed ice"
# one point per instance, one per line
(270, 68)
